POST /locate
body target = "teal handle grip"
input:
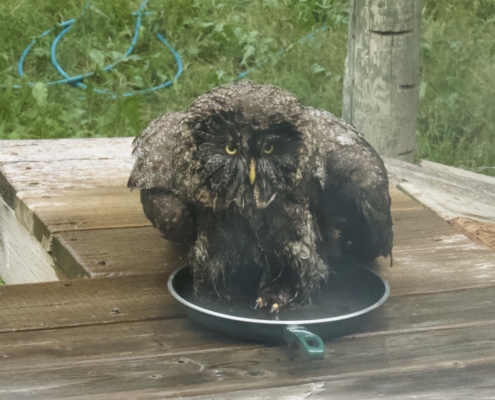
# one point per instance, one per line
(311, 344)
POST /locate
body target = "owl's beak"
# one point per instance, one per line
(252, 171)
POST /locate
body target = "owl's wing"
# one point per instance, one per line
(153, 150)
(354, 180)
(152, 173)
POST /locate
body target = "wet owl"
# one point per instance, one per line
(250, 179)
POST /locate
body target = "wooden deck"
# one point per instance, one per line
(118, 334)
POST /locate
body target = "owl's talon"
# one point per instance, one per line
(275, 296)
(259, 303)
(275, 308)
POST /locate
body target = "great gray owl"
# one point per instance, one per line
(248, 177)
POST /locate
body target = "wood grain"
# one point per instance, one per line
(454, 382)
(27, 165)
(380, 83)
(478, 232)
(123, 335)
(79, 302)
(113, 252)
(225, 370)
(83, 302)
(68, 174)
(430, 256)
(22, 258)
(75, 210)
(423, 242)
(449, 192)
(44, 150)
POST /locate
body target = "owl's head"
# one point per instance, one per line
(243, 144)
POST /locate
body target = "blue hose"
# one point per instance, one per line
(77, 80)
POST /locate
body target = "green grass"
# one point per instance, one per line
(218, 39)
(456, 121)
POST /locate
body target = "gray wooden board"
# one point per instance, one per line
(22, 258)
(450, 192)
(27, 165)
(66, 342)
(68, 174)
(230, 369)
(48, 150)
(125, 336)
(459, 382)
(47, 212)
(111, 252)
(428, 254)
(85, 302)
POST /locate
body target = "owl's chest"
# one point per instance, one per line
(264, 223)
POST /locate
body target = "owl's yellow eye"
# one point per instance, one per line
(230, 150)
(268, 149)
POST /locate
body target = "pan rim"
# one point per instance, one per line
(275, 322)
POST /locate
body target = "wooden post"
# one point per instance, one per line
(381, 77)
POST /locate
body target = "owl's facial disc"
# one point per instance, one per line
(245, 160)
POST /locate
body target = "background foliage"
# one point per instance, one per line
(217, 40)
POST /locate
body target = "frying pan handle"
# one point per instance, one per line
(299, 336)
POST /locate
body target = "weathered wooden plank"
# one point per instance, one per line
(67, 174)
(113, 252)
(448, 191)
(170, 374)
(454, 382)
(82, 302)
(146, 339)
(425, 245)
(103, 340)
(45, 150)
(63, 163)
(478, 232)
(414, 314)
(86, 302)
(47, 212)
(431, 256)
(22, 258)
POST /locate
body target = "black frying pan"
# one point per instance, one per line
(335, 311)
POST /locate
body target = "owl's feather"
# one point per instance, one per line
(248, 175)
(153, 175)
(355, 185)
(153, 151)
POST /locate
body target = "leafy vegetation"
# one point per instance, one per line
(216, 40)
(456, 122)
(219, 39)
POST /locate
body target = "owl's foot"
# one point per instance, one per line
(205, 294)
(274, 296)
(210, 293)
